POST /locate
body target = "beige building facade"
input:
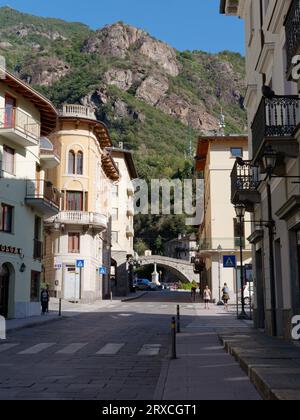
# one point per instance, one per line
(27, 196)
(78, 240)
(272, 31)
(219, 234)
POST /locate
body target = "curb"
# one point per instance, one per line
(35, 324)
(257, 379)
(134, 297)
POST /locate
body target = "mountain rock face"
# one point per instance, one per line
(116, 41)
(142, 88)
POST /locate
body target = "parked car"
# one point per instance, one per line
(142, 284)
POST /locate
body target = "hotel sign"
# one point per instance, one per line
(7, 249)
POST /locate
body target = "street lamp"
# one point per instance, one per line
(219, 249)
(269, 162)
(240, 211)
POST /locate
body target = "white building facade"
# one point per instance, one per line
(26, 195)
(122, 203)
(273, 104)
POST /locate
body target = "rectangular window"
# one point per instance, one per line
(8, 160)
(74, 201)
(114, 237)
(35, 286)
(115, 214)
(115, 191)
(74, 243)
(236, 152)
(6, 218)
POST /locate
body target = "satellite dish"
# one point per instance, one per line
(240, 161)
(268, 92)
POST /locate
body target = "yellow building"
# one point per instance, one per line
(78, 245)
(26, 195)
(219, 233)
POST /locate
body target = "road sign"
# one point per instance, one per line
(57, 266)
(229, 261)
(102, 270)
(80, 263)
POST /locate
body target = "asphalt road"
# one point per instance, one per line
(114, 354)
(122, 352)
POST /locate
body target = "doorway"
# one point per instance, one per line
(10, 106)
(260, 294)
(4, 290)
(71, 284)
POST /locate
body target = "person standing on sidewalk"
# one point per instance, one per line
(193, 293)
(207, 297)
(226, 296)
(44, 300)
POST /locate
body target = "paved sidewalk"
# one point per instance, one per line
(68, 310)
(272, 364)
(203, 370)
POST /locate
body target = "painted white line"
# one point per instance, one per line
(149, 350)
(111, 348)
(37, 348)
(7, 346)
(72, 348)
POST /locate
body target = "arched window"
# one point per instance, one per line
(71, 162)
(79, 163)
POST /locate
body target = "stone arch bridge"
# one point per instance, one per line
(183, 270)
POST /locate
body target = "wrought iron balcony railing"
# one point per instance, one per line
(292, 29)
(244, 179)
(16, 119)
(226, 244)
(276, 117)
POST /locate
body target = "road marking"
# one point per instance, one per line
(37, 348)
(72, 348)
(4, 347)
(111, 348)
(149, 350)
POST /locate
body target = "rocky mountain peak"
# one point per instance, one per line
(119, 39)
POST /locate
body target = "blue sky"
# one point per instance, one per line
(185, 24)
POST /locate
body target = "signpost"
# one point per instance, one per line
(80, 265)
(102, 270)
(229, 261)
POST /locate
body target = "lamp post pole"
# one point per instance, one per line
(220, 303)
(271, 260)
(240, 210)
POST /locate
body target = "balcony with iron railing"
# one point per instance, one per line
(292, 30)
(95, 220)
(19, 127)
(50, 153)
(42, 196)
(244, 183)
(77, 111)
(274, 125)
(212, 245)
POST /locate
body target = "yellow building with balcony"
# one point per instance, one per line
(78, 240)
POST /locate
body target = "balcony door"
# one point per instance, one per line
(9, 116)
(74, 201)
(4, 288)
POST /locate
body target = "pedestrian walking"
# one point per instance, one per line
(193, 293)
(44, 300)
(226, 296)
(207, 297)
(48, 291)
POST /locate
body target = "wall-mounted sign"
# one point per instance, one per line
(10, 249)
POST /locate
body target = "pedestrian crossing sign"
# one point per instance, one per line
(80, 263)
(229, 261)
(102, 270)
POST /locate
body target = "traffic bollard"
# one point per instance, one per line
(173, 335)
(59, 309)
(178, 319)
